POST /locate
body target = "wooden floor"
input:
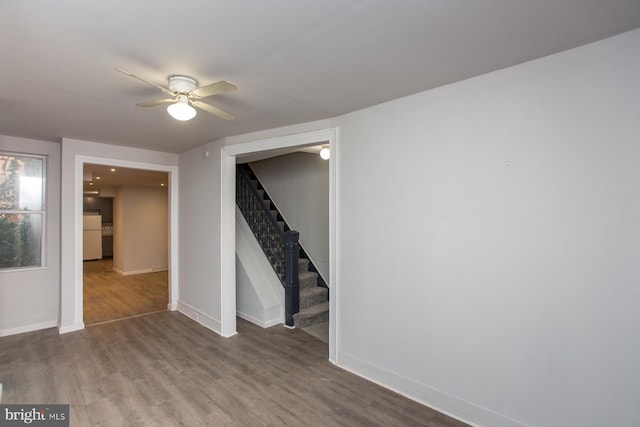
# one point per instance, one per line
(164, 369)
(110, 296)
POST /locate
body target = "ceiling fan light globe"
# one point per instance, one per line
(325, 153)
(181, 111)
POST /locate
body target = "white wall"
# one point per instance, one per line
(298, 184)
(259, 292)
(141, 232)
(29, 298)
(200, 290)
(74, 153)
(490, 242)
(118, 240)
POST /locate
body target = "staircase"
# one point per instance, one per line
(314, 304)
(313, 298)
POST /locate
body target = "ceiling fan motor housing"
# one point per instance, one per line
(182, 84)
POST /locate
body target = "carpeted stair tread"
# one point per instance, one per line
(312, 296)
(316, 290)
(312, 315)
(313, 310)
(307, 279)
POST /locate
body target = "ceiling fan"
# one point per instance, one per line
(185, 94)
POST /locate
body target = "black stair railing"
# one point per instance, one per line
(281, 248)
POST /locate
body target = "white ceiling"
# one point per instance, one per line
(292, 60)
(97, 177)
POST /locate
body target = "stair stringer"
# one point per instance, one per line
(259, 293)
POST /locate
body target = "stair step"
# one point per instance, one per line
(307, 279)
(303, 265)
(313, 296)
(311, 315)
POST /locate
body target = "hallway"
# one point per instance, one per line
(110, 296)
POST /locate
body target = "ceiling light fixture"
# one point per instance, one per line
(325, 153)
(181, 110)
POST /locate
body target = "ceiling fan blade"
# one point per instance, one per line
(212, 89)
(156, 102)
(164, 89)
(213, 110)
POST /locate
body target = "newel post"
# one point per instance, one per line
(291, 285)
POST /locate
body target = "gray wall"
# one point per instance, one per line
(200, 290)
(508, 293)
(141, 229)
(29, 298)
(298, 184)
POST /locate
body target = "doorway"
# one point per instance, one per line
(125, 272)
(227, 232)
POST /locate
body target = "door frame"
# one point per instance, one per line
(228, 156)
(78, 293)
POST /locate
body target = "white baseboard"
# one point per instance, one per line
(142, 271)
(172, 307)
(261, 323)
(70, 328)
(426, 395)
(200, 317)
(27, 328)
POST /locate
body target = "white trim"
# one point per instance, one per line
(174, 282)
(334, 248)
(228, 241)
(76, 326)
(228, 156)
(143, 271)
(78, 247)
(261, 323)
(21, 269)
(79, 162)
(200, 317)
(28, 328)
(424, 394)
(287, 141)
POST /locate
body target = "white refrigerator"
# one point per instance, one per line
(91, 237)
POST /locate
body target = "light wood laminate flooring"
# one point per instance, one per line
(164, 369)
(110, 296)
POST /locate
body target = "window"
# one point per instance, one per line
(22, 210)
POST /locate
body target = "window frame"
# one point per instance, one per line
(42, 212)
